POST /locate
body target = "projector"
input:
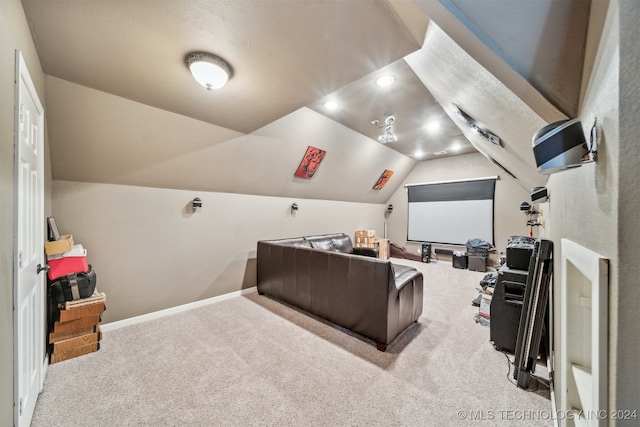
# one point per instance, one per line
(559, 146)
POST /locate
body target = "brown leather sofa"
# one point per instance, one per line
(323, 276)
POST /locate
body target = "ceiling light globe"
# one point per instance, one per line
(385, 81)
(209, 70)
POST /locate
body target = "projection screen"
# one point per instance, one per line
(451, 212)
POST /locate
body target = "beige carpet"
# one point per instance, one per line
(254, 361)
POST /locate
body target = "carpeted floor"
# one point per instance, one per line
(254, 361)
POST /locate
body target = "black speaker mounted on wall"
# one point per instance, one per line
(559, 146)
(426, 252)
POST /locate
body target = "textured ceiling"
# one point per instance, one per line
(285, 54)
(288, 55)
(412, 105)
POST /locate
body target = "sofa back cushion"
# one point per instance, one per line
(323, 243)
(298, 242)
(343, 244)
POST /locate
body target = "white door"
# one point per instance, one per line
(29, 287)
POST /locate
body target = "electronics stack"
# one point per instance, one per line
(477, 254)
(509, 292)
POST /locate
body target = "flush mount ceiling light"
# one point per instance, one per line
(385, 80)
(209, 70)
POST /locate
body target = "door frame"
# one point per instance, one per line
(22, 72)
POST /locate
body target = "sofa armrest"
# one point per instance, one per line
(406, 277)
(370, 252)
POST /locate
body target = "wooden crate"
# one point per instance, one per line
(73, 333)
(62, 346)
(77, 330)
(75, 352)
(81, 312)
(383, 248)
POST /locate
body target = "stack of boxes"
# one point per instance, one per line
(477, 258)
(365, 239)
(368, 239)
(74, 326)
(77, 328)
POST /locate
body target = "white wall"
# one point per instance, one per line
(98, 137)
(151, 252)
(596, 205)
(508, 219)
(625, 389)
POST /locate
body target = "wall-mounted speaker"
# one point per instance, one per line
(559, 146)
(426, 252)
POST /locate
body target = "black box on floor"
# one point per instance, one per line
(506, 306)
(477, 263)
(459, 259)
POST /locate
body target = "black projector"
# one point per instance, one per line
(559, 146)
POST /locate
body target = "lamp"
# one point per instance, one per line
(209, 70)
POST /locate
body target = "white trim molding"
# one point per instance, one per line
(583, 335)
(107, 327)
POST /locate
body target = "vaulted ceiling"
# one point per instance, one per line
(292, 55)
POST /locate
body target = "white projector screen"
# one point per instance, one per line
(451, 212)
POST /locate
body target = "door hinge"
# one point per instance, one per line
(20, 408)
(20, 259)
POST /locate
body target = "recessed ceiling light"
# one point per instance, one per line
(456, 146)
(432, 126)
(385, 80)
(331, 105)
(440, 153)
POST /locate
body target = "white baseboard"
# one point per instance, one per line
(173, 310)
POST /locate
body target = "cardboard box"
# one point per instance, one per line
(485, 306)
(365, 233)
(365, 241)
(65, 244)
(383, 248)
